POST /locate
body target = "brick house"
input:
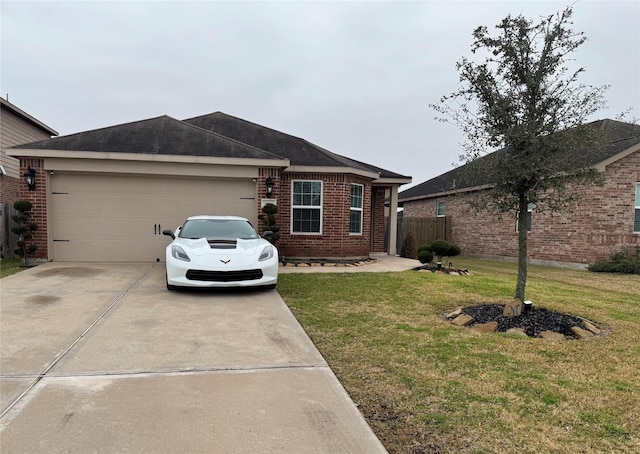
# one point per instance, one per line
(606, 219)
(16, 127)
(106, 194)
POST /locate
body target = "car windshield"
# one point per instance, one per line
(224, 230)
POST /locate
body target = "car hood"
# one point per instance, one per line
(242, 247)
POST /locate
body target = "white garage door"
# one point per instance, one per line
(121, 217)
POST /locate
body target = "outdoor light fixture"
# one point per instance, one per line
(30, 178)
(269, 183)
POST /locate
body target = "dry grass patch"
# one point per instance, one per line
(426, 386)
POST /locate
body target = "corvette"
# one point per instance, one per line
(220, 251)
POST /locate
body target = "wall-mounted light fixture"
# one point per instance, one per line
(269, 183)
(30, 178)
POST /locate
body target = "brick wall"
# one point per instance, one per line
(601, 222)
(335, 240)
(38, 198)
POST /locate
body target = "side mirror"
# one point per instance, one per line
(169, 233)
(267, 233)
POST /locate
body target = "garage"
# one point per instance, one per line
(120, 217)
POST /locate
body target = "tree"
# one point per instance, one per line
(522, 99)
(24, 229)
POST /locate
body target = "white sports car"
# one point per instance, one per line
(220, 251)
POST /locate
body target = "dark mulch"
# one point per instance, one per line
(536, 321)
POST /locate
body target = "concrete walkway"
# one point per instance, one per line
(101, 358)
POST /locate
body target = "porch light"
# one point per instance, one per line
(30, 178)
(269, 183)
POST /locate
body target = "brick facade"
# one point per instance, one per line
(378, 231)
(38, 198)
(601, 222)
(335, 241)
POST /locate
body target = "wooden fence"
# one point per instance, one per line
(8, 239)
(426, 230)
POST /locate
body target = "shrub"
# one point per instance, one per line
(269, 221)
(409, 246)
(425, 256)
(626, 262)
(439, 248)
(24, 229)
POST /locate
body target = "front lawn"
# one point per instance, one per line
(426, 386)
(9, 267)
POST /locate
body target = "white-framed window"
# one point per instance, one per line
(306, 206)
(355, 213)
(529, 213)
(636, 218)
(440, 208)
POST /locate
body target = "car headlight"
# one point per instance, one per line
(178, 253)
(266, 254)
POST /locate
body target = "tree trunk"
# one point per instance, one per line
(522, 247)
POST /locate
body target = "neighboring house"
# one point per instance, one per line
(606, 218)
(16, 127)
(107, 194)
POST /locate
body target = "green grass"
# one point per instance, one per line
(9, 267)
(427, 386)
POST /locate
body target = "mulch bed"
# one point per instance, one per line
(536, 321)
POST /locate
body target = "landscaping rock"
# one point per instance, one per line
(513, 308)
(455, 313)
(462, 320)
(551, 336)
(485, 327)
(590, 327)
(581, 333)
(518, 331)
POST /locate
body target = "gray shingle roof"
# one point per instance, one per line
(161, 135)
(213, 135)
(619, 135)
(299, 151)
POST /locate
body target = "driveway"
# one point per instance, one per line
(101, 358)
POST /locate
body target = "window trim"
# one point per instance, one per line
(358, 209)
(636, 210)
(314, 207)
(440, 203)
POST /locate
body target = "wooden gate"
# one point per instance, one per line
(426, 230)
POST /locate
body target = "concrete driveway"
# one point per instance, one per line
(101, 358)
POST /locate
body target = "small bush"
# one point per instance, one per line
(425, 256)
(624, 262)
(439, 248)
(409, 246)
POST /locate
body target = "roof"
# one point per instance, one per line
(299, 151)
(162, 135)
(619, 136)
(26, 117)
(214, 135)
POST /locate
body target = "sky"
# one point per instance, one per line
(356, 78)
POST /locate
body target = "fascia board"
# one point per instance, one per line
(330, 169)
(623, 154)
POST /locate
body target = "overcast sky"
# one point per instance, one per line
(356, 78)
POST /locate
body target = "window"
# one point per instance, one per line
(306, 205)
(636, 219)
(355, 216)
(529, 211)
(440, 208)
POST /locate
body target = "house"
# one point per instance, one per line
(605, 220)
(107, 194)
(16, 127)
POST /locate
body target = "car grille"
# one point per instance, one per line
(224, 276)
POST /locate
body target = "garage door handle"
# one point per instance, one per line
(157, 229)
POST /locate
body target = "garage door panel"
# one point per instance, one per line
(120, 218)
